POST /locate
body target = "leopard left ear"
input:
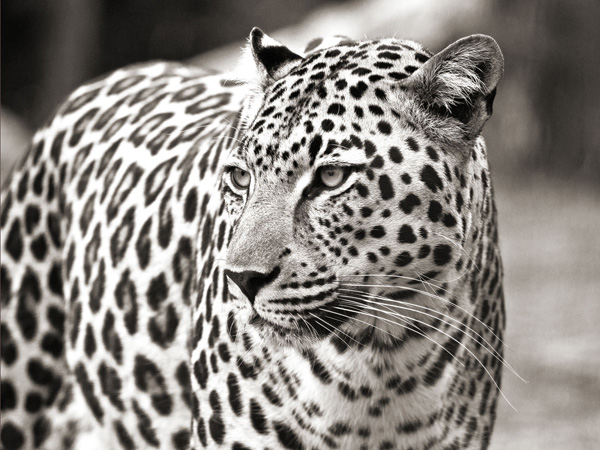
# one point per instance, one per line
(273, 60)
(460, 82)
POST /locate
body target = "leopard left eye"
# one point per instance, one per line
(332, 177)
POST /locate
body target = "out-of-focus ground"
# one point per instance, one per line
(551, 251)
(543, 140)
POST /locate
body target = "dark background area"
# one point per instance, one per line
(543, 140)
(50, 47)
(551, 49)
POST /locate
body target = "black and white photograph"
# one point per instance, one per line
(305, 225)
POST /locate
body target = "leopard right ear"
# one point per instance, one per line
(270, 60)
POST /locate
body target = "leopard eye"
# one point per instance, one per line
(332, 176)
(240, 178)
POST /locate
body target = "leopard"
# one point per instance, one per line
(300, 253)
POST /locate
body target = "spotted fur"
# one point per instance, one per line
(145, 288)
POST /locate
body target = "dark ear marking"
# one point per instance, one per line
(274, 58)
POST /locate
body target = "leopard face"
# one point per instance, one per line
(344, 199)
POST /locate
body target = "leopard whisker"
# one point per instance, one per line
(311, 328)
(333, 328)
(404, 302)
(372, 325)
(407, 324)
(399, 304)
(488, 347)
(369, 307)
(427, 294)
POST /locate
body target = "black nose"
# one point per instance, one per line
(251, 281)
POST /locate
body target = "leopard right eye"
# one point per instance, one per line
(240, 178)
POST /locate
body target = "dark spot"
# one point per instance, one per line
(431, 179)
(55, 280)
(442, 254)
(378, 231)
(384, 127)
(14, 242)
(315, 146)
(450, 348)
(287, 437)
(33, 402)
(98, 286)
(87, 388)
(370, 149)
(89, 342)
(238, 446)
(403, 259)
(190, 206)
(110, 383)
(412, 144)
(358, 90)
(337, 109)
(435, 211)
(52, 344)
(148, 378)
(41, 431)
(327, 125)
(235, 397)
(406, 235)
(32, 218)
(317, 367)
(386, 187)
(5, 283)
(201, 370)
(11, 437)
(53, 224)
(119, 242)
(375, 110)
(8, 396)
(145, 425)
(257, 417)
(126, 297)
(154, 183)
(362, 190)
(377, 162)
(181, 440)
(143, 244)
(409, 203)
(424, 251)
(123, 436)
(432, 153)
(449, 220)
(158, 291)
(216, 427)
(271, 395)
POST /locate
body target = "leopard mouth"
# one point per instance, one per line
(315, 323)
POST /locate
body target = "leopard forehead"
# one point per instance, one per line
(332, 103)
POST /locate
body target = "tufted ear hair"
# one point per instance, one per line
(460, 82)
(272, 59)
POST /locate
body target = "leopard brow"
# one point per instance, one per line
(236, 163)
(348, 164)
(347, 157)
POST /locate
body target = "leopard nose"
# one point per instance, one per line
(251, 281)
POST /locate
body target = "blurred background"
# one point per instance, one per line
(544, 144)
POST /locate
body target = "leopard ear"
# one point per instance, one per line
(272, 59)
(460, 82)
